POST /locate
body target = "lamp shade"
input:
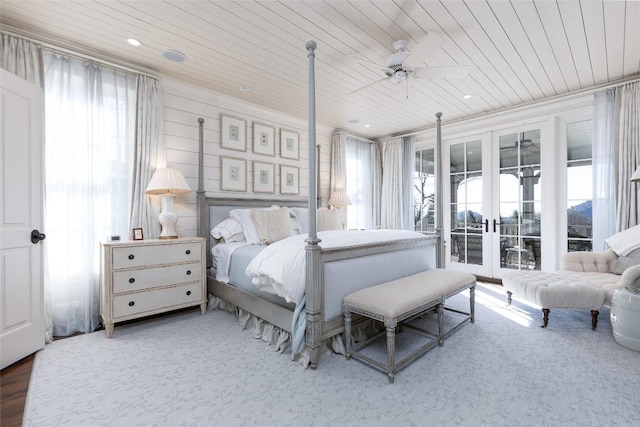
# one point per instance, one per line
(636, 175)
(167, 181)
(339, 198)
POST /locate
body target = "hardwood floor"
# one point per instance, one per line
(14, 382)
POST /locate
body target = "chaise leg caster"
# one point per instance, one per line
(545, 317)
(594, 319)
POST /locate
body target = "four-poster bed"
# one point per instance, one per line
(329, 273)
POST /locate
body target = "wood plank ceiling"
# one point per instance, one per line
(518, 51)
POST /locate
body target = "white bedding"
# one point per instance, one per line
(280, 267)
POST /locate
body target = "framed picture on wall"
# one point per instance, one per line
(289, 179)
(289, 144)
(233, 174)
(263, 139)
(233, 133)
(264, 177)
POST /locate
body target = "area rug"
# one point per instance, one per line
(204, 370)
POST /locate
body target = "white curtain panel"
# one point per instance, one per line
(90, 135)
(149, 155)
(628, 193)
(391, 211)
(22, 58)
(359, 184)
(604, 168)
(376, 185)
(408, 166)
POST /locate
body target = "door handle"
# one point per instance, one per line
(37, 236)
(486, 225)
(495, 223)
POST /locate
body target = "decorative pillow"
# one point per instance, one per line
(301, 216)
(625, 262)
(230, 230)
(272, 225)
(243, 216)
(329, 219)
(625, 241)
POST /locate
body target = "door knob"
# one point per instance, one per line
(36, 236)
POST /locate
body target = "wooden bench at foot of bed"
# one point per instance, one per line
(403, 300)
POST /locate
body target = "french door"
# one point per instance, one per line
(493, 206)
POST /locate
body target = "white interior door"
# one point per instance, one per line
(21, 278)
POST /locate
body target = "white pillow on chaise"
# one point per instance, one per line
(625, 241)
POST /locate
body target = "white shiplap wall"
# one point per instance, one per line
(185, 103)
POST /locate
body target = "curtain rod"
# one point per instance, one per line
(540, 102)
(341, 132)
(73, 53)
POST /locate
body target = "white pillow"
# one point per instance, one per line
(301, 216)
(625, 262)
(272, 224)
(625, 241)
(243, 216)
(230, 230)
(329, 219)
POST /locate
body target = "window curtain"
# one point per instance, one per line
(604, 170)
(149, 155)
(392, 211)
(353, 169)
(89, 150)
(616, 155)
(408, 167)
(627, 213)
(376, 185)
(22, 58)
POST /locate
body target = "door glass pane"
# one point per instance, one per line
(509, 185)
(508, 150)
(530, 147)
(466, 203)
(530, 182)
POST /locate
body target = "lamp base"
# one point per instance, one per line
(168, 237)
(168, 218)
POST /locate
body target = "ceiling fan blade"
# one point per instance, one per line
(368, 85)
(427, 46)
(444, 72)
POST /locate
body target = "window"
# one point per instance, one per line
(579, 187)
(424, 192)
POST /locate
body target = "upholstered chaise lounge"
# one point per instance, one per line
(586, 280)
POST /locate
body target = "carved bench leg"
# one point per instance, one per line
(509, 298)
(391, 350)
(347, 333)
(472, 303)
(545, 317)
(594, 319)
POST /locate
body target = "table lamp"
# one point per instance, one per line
(168, 183)
(339, 199)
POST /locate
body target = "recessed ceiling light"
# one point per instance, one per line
(367, 126)
(245, 88)
(133, 42)
(466, 97)
(174, 55)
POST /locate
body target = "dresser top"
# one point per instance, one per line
(153, 241)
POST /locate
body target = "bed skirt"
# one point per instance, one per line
(281, 340)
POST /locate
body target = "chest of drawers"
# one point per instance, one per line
(141, 278)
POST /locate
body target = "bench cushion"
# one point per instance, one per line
(392, 299)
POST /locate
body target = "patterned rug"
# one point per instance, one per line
(189, 369)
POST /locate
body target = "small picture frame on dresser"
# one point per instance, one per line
(137, 234)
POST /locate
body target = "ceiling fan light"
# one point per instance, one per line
(399, 76)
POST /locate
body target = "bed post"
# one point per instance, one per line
(440, 251)
(313, 278)
(200, 194)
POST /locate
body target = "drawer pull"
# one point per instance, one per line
(132, 280)
(188, 292)
(131, 303)
(188, 251)
(188, 272)
(131, 257)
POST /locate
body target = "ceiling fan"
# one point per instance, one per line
(397, 66)
(523, 144)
